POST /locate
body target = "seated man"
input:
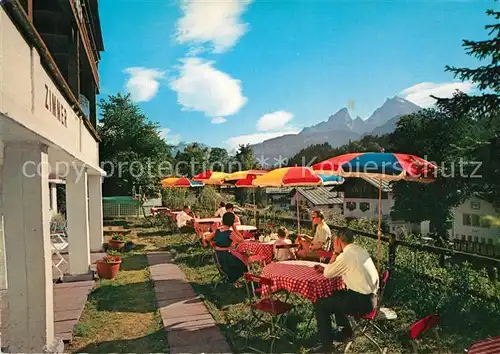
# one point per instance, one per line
(221, 211)
(354, 265)
(185, 220)
(320, 240)
(230, 209)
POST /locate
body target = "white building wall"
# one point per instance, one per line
(27, 95)
(372, 212)
(476, 233)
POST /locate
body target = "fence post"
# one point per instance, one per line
(392, 252)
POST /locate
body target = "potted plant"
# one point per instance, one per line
(117, 242)
(108, 266)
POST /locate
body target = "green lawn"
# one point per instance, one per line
(120, 315)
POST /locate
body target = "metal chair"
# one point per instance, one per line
(421, 327)
(260, 308)
(221, 277)
(361, 324)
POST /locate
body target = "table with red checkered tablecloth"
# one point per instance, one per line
(300, 277)
(258, 248)
(486, 346)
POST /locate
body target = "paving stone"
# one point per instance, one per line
(203, 347)
(182, 338)
(190, 300)
(181, 310)
(172, 286)
(169, 294)
(173, 323)
(170, 276)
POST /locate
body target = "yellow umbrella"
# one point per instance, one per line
(210, 177)
(239, 175)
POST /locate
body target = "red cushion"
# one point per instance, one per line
(272, 306)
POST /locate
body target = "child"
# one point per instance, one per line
(282, 254)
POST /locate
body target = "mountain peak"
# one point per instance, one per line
(341, 115)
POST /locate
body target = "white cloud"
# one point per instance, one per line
(216, 23)
(256, 138)
(420, 93)
(170, 139)
(143, 83)
(274, 120)
(201, 87)
(218, 120)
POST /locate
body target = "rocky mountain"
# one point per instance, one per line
(337, 130)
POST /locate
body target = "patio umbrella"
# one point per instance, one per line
(241, 175)
(210, 177)
(246, 182)
(383, 166)
(295, 177)
(180, 182)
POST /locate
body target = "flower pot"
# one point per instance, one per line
(116, 244)
(108, 268)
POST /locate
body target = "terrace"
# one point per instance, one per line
(462, 288)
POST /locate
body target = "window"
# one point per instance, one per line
(463, 237)
(485, 223)
(475, 205)
(482, 240)
(475, 220)
(364, 206)
(350, 205)
(476, 239)
(469, 238)
(490, 241)
(467, 220)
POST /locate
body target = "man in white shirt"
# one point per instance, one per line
(320, 240)
(221, 211)
(185, 222)
(354, 265)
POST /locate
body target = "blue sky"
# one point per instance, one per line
(229, 72)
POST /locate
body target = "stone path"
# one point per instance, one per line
(190, 327)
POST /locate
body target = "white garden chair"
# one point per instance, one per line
(58, 242)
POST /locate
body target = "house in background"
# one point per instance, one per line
(361, 198)
(278, 198)
(469, 224)
(326, 199)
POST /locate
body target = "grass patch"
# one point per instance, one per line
(120, 315)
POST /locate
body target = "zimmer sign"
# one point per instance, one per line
(55, 106)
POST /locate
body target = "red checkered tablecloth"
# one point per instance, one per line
(257, 248)
(300, 277)
(487, 346)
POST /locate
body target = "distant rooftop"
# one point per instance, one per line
(321, 195)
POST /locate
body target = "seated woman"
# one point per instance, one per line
(230, 209)
(233, 263)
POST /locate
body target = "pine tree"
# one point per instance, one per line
(486, 105)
